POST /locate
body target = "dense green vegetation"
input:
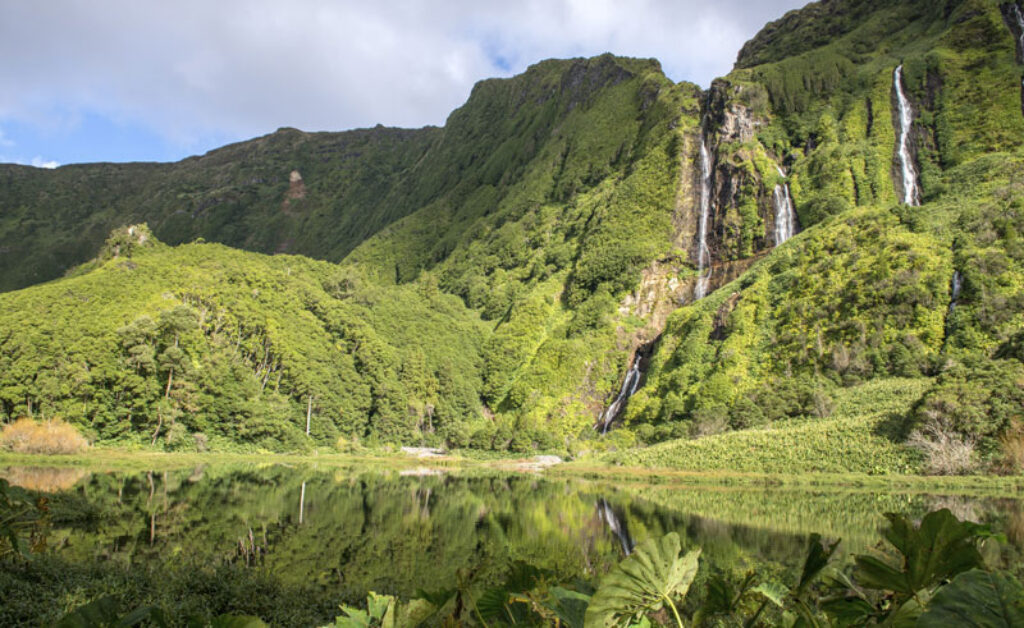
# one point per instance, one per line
(865, 292)
(856, 437)
(193, 344)
(495, 278)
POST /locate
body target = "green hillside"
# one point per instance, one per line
(491, 282)
(163, 343)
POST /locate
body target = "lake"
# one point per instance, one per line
(292, 543)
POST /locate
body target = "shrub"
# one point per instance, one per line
(1011, 445)
(482, 438)
(202, 442)
(177, 437)
(26, 436)
(946, 452)
(709, 421)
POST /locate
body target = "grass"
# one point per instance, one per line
(856, 439)
(978, 485)
(116, 459)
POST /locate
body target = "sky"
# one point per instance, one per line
(159, 80)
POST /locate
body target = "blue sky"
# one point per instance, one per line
(143, 80)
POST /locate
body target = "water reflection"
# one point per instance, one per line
(346, 532)
(616, 522)
(44, 479)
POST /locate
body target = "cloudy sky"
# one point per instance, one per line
(126, 80)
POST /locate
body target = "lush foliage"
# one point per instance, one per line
(200, 344)
(498, 276)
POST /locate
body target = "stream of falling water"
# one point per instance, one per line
(785, 216)
(955, 285)
(629, 386)
(911, 191)
(703, 252)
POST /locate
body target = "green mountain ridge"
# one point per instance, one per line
(489, 283)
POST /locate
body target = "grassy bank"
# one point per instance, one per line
(102, 460)
(116, 460)
(861, 435)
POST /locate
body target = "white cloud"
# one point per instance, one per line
(239, 68)
(39, 162)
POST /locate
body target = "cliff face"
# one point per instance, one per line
(864, 291)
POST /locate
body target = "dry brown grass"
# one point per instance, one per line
(946, 452)
(25, 436)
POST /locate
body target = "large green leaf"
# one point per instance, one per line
(773, 592)
(570, 606)
(977, 598)
(848, 611)
(378, 606)
(818, 555)
(939, 549)
(411, 614)
(655, 574)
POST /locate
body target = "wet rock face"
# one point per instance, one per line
(1013, 16)
(731, 120)
(737, 188)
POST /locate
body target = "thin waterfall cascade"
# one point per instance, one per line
(703, 252)
(629, 386)
(911, 190)
(1019, 16)
(785, 215)
(955, 285)
(617, 525)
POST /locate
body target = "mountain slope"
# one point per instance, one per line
(868, 290)
(506, 279)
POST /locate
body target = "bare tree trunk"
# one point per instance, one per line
(302, 502)
(159, 424)
(309, 413)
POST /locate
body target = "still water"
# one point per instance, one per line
(296, 542)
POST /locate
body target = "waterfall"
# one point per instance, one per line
(911, 193)
(1019, 16)
(617, 525)
(955, 284)
(703, 252)
(629, 386)
(785, 216)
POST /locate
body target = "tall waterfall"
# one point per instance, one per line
(911, 191)
(629, 386)
(703, 252)
(785, 216)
